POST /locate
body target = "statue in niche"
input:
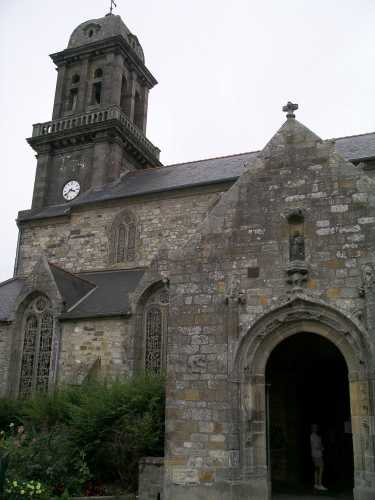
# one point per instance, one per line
(297, 247)
(368, 279)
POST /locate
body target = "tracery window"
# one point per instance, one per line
(155, 331)
(123, 238)
(37, 347)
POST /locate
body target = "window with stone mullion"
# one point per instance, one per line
(37, 348)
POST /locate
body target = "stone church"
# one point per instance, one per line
(250, 279)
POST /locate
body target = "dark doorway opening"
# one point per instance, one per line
(307, 383)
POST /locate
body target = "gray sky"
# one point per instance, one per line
(224, 69)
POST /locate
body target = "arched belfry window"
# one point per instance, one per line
(96, 91)
(138, 111)
(122, 238)
(155, 331)
(36, 357)
(125, 98)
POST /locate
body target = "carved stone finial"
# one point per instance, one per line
(289, 109)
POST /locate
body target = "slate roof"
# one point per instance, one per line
(356, 147)
(9, 291)
(187, 175)
(109, 295)
(86, 295)
(72, 288)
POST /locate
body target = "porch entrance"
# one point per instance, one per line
(307, 383)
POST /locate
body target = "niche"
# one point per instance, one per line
(296, 223)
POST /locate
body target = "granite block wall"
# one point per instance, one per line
(80, 243)
(96, 347)
(5, 350)
(234, 271)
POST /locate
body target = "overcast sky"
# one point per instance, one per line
(225, 68)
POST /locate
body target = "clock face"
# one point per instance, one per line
(71, 190)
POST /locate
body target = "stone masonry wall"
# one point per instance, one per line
(151, 471)
(80, 243)
(102, 347)
(5, 348)
(240, 255)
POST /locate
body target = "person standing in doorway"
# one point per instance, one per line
(317, 457)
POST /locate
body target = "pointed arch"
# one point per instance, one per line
(122, 238)
(36, 346)
(151, 329)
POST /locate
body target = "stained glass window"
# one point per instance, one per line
(155, 330)
(153, 340)
(37, 347)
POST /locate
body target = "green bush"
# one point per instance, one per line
(96, 431)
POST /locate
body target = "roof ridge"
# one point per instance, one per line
(102, 271)
(6, 282)
(349, 136)
(72, 274)
(212, 158)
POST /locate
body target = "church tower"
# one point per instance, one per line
(98, 126)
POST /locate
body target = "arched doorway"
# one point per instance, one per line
(292, 319)
(307, 383)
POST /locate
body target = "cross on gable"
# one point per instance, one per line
(289, 109)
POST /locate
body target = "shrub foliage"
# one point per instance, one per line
(96, 432)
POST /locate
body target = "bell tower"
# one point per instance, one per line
(98, 126)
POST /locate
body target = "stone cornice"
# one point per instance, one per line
(115, 43)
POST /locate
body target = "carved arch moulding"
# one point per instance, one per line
(249, 374)
(302, 314)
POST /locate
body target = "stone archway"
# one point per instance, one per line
(294, 317)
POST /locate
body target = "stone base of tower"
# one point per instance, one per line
(256, 489)
(364, 493)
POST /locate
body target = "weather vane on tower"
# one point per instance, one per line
(113, 4)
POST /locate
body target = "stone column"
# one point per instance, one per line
(363, 428)
(133, 86)
(116, 84)
(59, 94)
(101, 156)
(41, 177)
(83, 87)
(145, 108)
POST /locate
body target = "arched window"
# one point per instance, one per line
(124, 99)
(37, 347)
(96, 92)
(122, 238)
(155, 331)
(154, 339)
(138, 111)
(98, 73)
(73, 93)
